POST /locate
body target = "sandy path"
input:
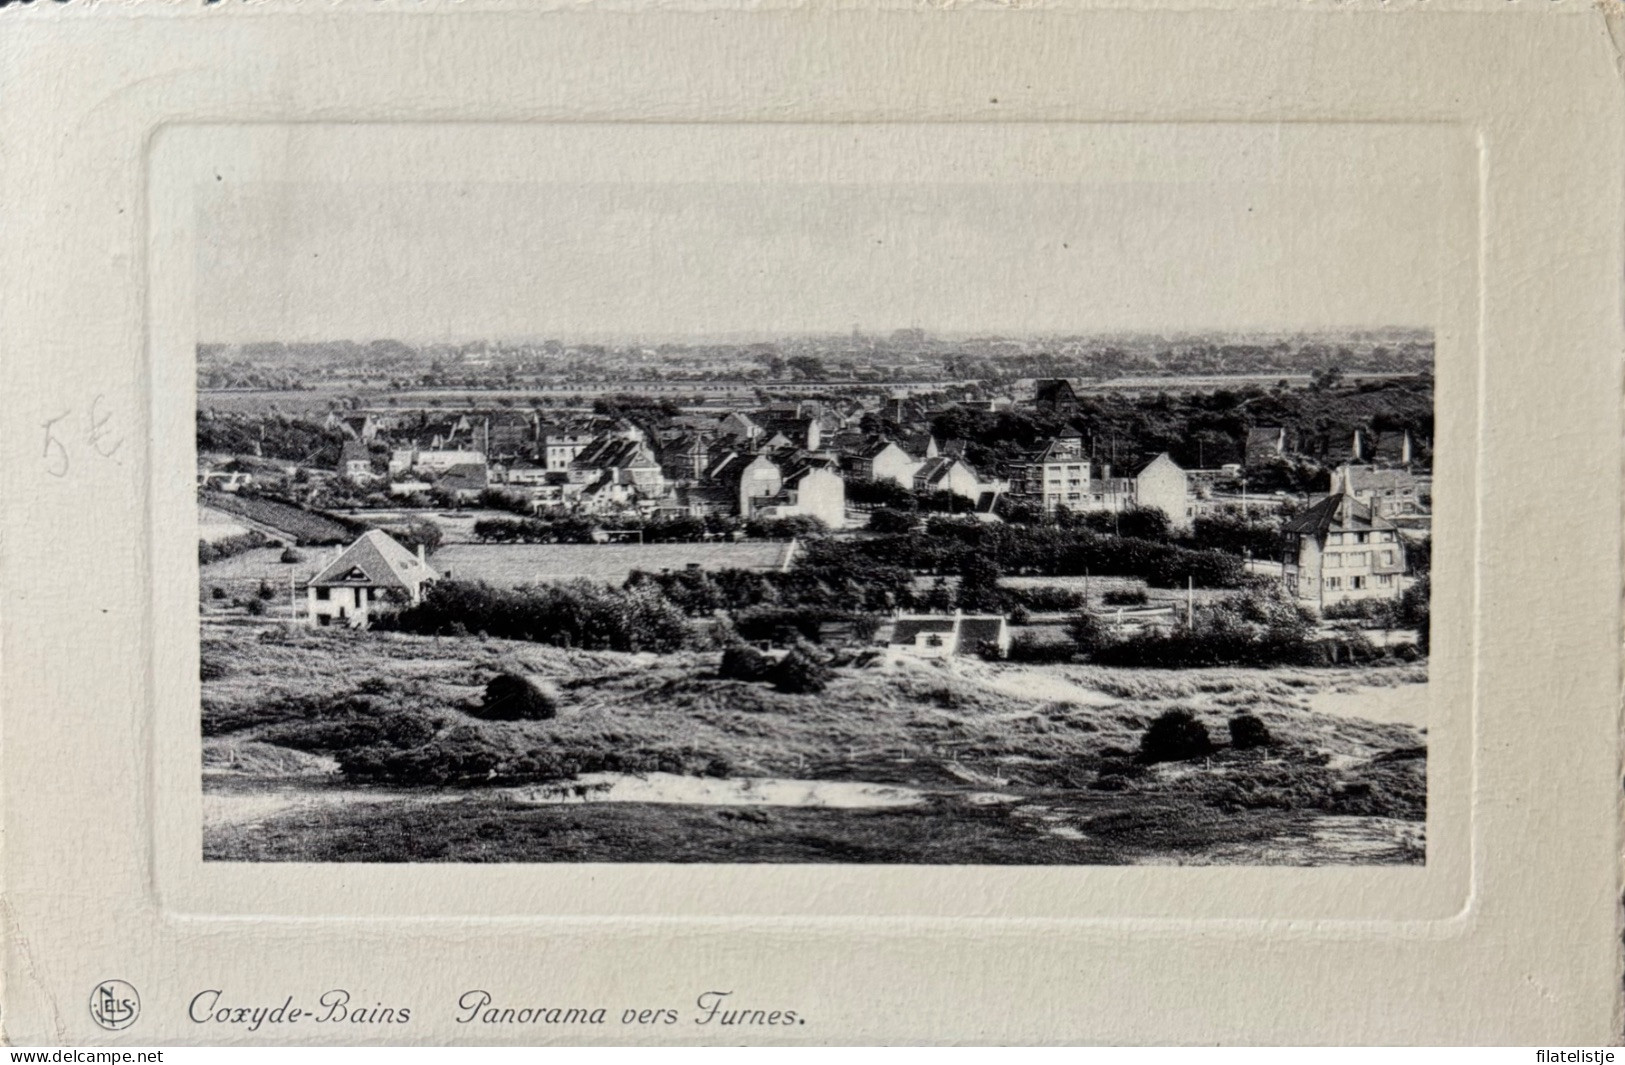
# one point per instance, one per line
(225, 809)
(1401, 704)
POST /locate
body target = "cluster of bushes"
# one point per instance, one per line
(686, 530)
(256, 604)
(473, 753)
(369, 715)
(885, 493)
(533, 531)
(1409, 611)
(1394, 784)
(1125, 597)
(495, 498)
(1141, 523)
(414, 534)
(274, 436)
(797, 528)
(797, 672)
(1261, 628)
(895, 499)
(571, 614)
(382, 732)
(1415, 610)
(1047, 598)
(1237, 535)
(834, 589)
(1302, 780)
(1044, 550)
(887, 520)
(1177, 736)
(518, 697)
(218, 550)
(786, 624)
(1026, 647)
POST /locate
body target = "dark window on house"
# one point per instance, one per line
(324, 594)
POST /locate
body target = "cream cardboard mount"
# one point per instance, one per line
(182, 184)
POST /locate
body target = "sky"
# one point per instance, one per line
(468, 260)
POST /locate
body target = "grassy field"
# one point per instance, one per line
(506, 565)
(1008, 763)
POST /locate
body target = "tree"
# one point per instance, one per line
(806, 368)
(979, 584)
(1327, 379)
(518, 697)
(1144, 523)
(1175, 736)
(1415, 612)
(799, 673)
(744, 662)
(886, 520)
(1086, 631)
(1248, 731)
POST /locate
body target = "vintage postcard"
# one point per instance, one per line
(911, 522)
(948, 519)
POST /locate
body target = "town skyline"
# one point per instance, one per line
(860, 330)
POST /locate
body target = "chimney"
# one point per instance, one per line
(422, 556)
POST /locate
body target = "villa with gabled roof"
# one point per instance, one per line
(1341, 549)
(371, 572)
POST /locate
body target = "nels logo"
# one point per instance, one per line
(114, 1005)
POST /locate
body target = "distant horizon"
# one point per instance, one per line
(878, 333)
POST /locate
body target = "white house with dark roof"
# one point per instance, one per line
(886, 460)
(355, 462)
(947, 473)
(374, 571)
(805, 491)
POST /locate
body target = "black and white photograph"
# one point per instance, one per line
(892, 522)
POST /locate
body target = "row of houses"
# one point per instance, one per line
(781, 462)
(1269, 445)
(1062, 476)
(796, 459)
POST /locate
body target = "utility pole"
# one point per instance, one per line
(1190, 602)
